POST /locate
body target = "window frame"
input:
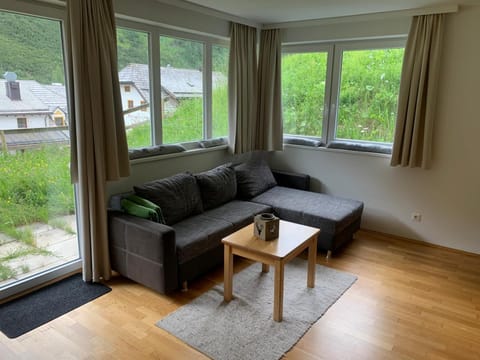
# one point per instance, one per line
(333, 78)
(51, 12)
(154, 33)
(316, 48)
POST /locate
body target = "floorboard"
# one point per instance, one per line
(411, 301)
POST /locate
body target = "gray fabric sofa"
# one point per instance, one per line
(203, 208)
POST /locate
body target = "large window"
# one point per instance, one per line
(38, 232)
(303, 92)
(344, 92)
(219, 91)
(134, 77)
(180, 84)
(181, 78)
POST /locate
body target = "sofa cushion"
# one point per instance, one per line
(253, 178)
(198, 234)
(217, 186)
(178, 196)
(155, 150)
(238, 213)
(328, 213)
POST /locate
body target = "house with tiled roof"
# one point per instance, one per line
(29, 104)
(31, 113)
(176, 85)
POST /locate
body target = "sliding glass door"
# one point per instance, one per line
(38, 231)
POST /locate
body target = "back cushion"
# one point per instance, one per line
(217, 186)
(178, 196)
(253, 178)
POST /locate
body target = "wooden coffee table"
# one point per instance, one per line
(292, 240)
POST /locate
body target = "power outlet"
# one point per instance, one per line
(416, 216)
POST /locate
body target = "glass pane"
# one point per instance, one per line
(37, 207)
(182, 89)
(134, 76)
(303, 93)
(370, 81)
(219, 91)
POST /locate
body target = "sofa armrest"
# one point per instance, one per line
(143, 250)
(292, 180)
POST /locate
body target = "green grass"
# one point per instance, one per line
(186, 123)
(34, 186)
(6, 272)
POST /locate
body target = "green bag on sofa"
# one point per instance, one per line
(138, 206)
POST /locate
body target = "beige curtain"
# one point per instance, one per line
(242, 88)
(269, 128)
(98, 141)
(418, 92)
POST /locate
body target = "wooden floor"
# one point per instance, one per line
(410, 302)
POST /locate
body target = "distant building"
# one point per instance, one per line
(29, 104)
(28, 108)
(176, 85)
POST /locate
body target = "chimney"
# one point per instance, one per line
(13, 86)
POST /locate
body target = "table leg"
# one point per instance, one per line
(278, 291)
(265, 268)
(312, 261)
(227, 273)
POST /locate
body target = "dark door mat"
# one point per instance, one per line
(21, 315)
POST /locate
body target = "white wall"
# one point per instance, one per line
(447, 195)
(9, 122)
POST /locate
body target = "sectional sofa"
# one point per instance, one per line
(200, 209)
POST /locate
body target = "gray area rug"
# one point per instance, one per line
(244, 328)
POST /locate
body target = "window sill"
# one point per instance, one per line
(342, 151)
(190, 152)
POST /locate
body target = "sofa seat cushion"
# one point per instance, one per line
(238, 213)
(328, 213)
(198, 234)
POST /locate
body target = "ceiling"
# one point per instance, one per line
(276, 11)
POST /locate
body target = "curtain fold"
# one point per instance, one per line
(418, 92)
(269, 127)
(98, 141)
(242, 88)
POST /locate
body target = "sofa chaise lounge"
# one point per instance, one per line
(200, 209)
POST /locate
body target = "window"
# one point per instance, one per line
(347, 92)
(59, 121)
(22, 123)
(134, 68)
(368, 94)
(37, 199)
(180, 77)
(219, 91)
(303, 101)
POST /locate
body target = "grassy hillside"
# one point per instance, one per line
(31, 47)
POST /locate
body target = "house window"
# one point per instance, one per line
(134, 67)
(189, 103)
(22, 123)
(219, 91)
(348, 92)
(59, 121)
(181, 78)
(303, 101)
